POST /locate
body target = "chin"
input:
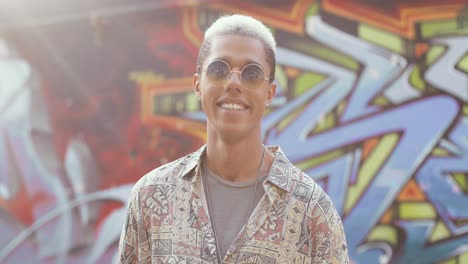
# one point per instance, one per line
(233, 132)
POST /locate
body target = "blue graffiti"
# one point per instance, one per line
(418, 134)
(448, 199)
(443, 73)
(415, 248)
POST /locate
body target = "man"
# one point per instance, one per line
(234, 200)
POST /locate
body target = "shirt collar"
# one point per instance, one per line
(279, 175)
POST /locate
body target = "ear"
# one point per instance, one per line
(196, 84)
(271, 92)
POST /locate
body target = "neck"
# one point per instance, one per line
(237, 161)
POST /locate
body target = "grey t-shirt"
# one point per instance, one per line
(230, 202)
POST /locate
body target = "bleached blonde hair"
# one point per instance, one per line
(244, 26)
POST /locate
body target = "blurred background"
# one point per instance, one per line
(372, 102)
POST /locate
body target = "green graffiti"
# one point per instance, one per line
(381, 38)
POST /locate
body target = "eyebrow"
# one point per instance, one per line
(247, 62)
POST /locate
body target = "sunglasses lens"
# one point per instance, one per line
(217, 72)
(253, 76)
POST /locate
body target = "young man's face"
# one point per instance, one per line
(234, 109)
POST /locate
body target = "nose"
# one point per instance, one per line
(233, 81)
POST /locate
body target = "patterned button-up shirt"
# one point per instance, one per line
(294, 222)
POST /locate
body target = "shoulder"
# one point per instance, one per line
(284, 174)
(163, 174)
(168, 174)
(302, 187)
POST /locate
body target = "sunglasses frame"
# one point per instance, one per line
(240, 73)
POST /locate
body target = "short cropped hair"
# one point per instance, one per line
(243, 26)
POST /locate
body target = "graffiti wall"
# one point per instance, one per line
(372, 102)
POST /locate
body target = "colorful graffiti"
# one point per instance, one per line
(372, 102)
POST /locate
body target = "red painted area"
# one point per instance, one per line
(394, 7)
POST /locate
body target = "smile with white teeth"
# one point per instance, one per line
(232, 107)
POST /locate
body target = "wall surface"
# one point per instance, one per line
(372, 102)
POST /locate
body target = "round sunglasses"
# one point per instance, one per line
(218, 73)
